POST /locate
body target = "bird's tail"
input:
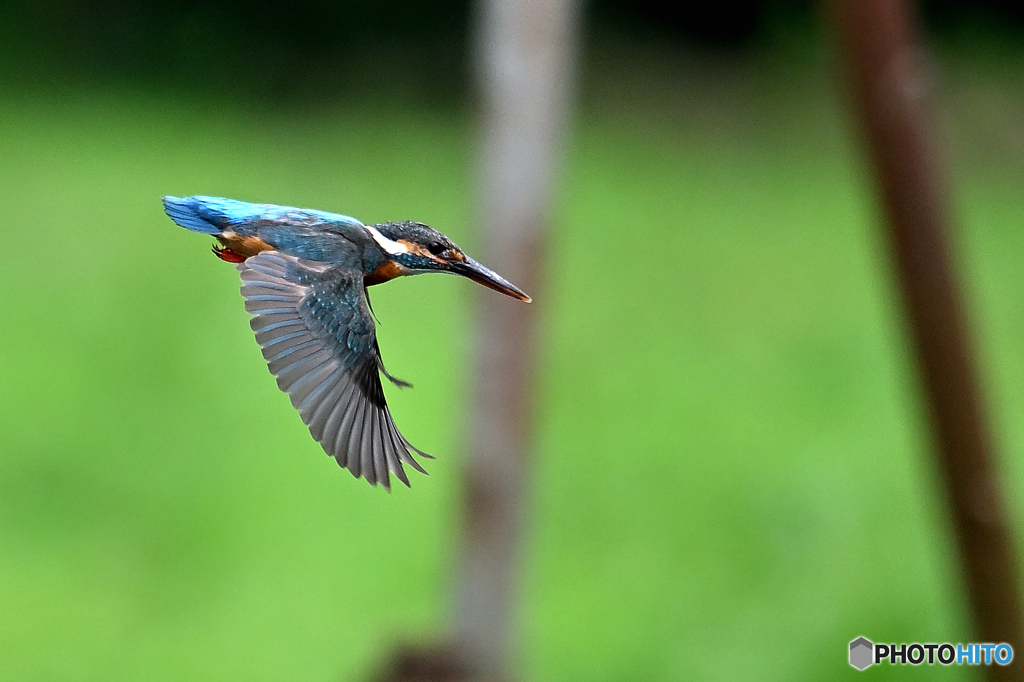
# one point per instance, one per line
(190, 214)
(210, 215)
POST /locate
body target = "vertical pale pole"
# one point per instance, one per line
(884, 66)
(525, 54)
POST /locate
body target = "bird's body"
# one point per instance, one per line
(304, 278)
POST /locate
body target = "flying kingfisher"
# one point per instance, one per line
(305, 275)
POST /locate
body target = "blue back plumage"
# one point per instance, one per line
(214, 215)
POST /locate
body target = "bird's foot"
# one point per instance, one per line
(227, 255)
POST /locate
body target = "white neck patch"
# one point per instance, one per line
(389, 245)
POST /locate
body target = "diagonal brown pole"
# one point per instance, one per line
(883, 64)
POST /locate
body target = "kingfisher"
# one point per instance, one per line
(305, 275)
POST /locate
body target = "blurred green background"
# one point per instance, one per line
(732, 478)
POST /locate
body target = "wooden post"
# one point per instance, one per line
(883, 63)
(525, 55)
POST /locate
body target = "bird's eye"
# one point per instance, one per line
(437, 248)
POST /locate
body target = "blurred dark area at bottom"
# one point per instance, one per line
(424, 664)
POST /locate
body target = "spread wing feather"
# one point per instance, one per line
(314, 327)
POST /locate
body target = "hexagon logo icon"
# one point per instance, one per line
(861, 650)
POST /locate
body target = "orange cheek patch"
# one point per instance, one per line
(417, 249)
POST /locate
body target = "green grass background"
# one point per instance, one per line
(731, 479)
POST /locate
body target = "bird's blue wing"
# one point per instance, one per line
(314, 326)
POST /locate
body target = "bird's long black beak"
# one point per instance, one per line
(489, 278)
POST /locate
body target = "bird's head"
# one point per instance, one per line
(415, 248)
